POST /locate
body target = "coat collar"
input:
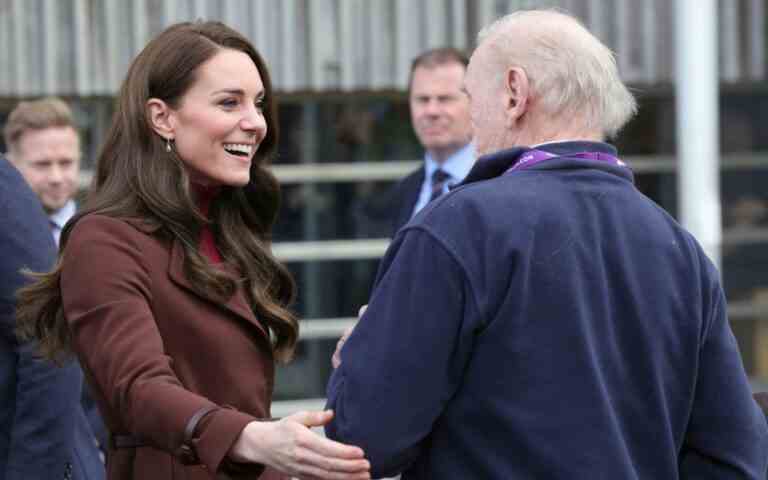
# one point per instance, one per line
(236, 304)
(496, 164)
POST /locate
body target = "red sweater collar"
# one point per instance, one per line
(204, 196)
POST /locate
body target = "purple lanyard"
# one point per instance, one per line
(534, 157)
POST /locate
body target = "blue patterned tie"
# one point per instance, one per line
(439, 177)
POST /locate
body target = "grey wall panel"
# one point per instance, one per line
(457, 14)
(354, 46)
(19, 64)
(79, 45)
(6, 74)
(381, 27)
(50, 46)
(292, 42)
(756, 18)
(730, 44)
(436, 22)
(265, 35)
(625, 35)
(83, 47)
(649, 36)
(406, 39)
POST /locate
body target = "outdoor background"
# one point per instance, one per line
(340, 68)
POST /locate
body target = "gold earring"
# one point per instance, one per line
(168, 145)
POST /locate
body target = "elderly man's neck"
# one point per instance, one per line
(561, 135)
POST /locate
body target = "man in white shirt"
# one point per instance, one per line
(440, 118)
(43, 144)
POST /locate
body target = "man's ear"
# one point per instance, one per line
(160, 118)
(517, 90)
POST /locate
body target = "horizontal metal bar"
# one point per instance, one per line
(334, 328)
(283, 408)
(324, 328)
(330, 250)
(747, 236)
(326, 172)
(344, 172)
(744, 161)
(746, 310)
(668, 163)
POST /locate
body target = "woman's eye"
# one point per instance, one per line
(259, 103)
(229, 103)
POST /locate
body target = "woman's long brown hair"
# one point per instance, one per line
(136, 178)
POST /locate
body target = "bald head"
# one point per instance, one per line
(552, 78)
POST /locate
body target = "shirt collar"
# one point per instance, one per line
(457, 165)
(61, 216)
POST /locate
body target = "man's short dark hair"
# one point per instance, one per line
(437, 57)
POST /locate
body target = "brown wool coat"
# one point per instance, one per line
(156, 353)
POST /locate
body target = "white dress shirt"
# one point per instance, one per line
(60, 217)
(457, 166)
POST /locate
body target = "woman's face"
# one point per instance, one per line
(219, 123)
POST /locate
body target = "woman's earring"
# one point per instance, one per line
(168, 145)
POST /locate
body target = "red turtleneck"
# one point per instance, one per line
(204, 195)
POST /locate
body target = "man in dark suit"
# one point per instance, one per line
(43, 430)
(44, 145)
(440, 118)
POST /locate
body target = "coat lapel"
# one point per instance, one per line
(408, 198)
(236, 303)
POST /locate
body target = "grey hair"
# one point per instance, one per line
(568, 68)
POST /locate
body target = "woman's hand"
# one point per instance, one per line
(290, 446)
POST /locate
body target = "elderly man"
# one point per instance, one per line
(545, 319)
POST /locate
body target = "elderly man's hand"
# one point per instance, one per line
(336, 358)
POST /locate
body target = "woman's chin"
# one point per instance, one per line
(239, 181)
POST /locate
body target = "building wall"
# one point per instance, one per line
(82, 48)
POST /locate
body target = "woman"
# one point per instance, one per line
(166, 288)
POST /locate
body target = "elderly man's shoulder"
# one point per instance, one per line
(506, 193)
(24, 222)
(14, 188)
(479, 209)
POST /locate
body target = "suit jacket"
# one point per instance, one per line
(405, 195)
(158, 354)
(384, 214)
(41, 421)
(407, 192)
